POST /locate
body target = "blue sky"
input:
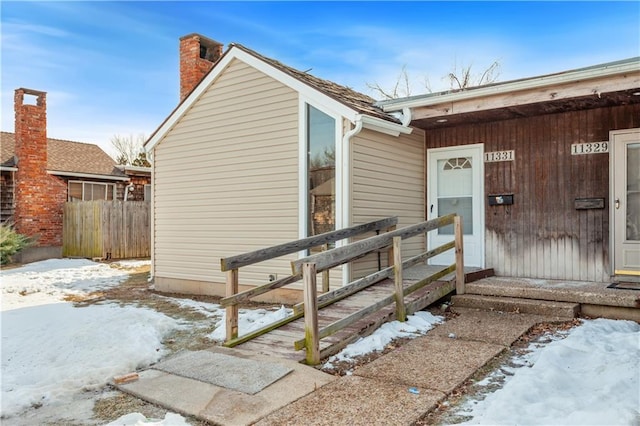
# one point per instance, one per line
(112, 67)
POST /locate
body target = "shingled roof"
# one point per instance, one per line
(357, 101)
(65, 157)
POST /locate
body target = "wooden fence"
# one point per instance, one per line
(106, 229)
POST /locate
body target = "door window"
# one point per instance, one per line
(455, 192)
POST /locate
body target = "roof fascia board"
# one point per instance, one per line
(88, 175)
(8, 169)
(520, 85)
(383, 126)
(234, 52)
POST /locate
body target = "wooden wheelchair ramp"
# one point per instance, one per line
(326, 323)
(280, 342)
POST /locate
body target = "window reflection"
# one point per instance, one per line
(321, 149)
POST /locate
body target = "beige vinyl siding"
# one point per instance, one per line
(388, 180)
(226, 179)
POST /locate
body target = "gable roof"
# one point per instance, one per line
(343, 100)
(66, 158)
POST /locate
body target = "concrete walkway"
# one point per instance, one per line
(397, 388)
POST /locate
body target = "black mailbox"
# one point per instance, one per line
(501, 200)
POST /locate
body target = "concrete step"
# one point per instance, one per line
(512, 304)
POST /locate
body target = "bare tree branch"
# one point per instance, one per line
(459, 79)
(129, 150)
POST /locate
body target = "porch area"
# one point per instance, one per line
(618, 299)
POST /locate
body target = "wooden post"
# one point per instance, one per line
(390, 255)
(312, 341)
(457, 225)
(231, 320)
(401, 313)
(325, 273)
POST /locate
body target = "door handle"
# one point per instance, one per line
(431, 209)
(617, 203)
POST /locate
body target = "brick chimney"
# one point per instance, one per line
(197, 56)
(39, 197)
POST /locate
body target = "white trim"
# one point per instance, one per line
(314, 96)
(384, 126)
(87, 175)
(8, 169)
(304, 167)
(612, 222)
(303, 172)
(605, 70)
(141, 169)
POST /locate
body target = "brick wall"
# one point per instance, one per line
(197, 56)
(39, 197)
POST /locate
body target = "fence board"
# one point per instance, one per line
(106, 229)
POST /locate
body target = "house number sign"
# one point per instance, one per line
(589, 148)
(493, 157)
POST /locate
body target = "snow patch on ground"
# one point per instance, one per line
(40, 283)
(591, 377)
(416, 325)
(52, 351)
(250, 320)
(137, 419)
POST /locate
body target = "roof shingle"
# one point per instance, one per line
(65, 156)
(357, 101)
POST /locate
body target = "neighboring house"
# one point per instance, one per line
(546, 168)
(40, 174)
(268, 147)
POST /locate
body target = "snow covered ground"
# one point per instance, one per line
(57, 357)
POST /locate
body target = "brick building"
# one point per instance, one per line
(40, 174)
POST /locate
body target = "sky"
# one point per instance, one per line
(58, 357)
(111, 68)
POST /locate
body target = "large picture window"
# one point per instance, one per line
(321, 150)
(88, 191)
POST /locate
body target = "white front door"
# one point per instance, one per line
(625, 170)
(456, 185)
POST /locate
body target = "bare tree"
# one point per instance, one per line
(130, 151)
(459, 78)
(462, 78)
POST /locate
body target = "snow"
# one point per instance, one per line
(590, 377)
(52, 351)
(416, 325)
(58, 357)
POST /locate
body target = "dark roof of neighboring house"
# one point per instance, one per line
(359, 102)
(65, 156)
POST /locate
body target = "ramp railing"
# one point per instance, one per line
(309, 267)
(231, 265)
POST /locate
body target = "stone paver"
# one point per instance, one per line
(355, 400)
(501, 328)
(398, 388)
(435, 363)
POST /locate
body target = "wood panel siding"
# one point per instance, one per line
(226, 180)
(387, 180)
(543, 235)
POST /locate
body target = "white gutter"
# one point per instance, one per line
(632, 65)
(346, 183)
(140, 169)
(8, 169)
(384, 126)
(87, 175)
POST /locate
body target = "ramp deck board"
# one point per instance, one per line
(280, 342)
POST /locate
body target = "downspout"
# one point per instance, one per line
(346, 184)
(406, 116)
